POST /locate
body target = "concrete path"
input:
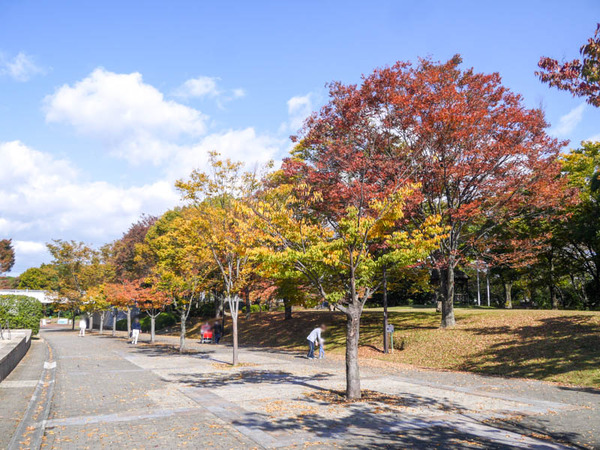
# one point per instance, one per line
(110, 394)
(18, 394)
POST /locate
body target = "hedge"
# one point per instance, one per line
(253, 308)
(163, 320)
(21, 311)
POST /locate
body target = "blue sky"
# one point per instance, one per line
(104, 104)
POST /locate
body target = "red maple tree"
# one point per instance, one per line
(136, 293)
(471, 144)
(581, 77)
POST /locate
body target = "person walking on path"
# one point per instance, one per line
(136, 328)
(82, 326)
(314, 337)
(217, 331)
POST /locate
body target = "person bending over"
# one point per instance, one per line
(314, 337)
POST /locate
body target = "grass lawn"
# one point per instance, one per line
(560, 346)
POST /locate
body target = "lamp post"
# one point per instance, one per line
(478, 287)
(487, 277)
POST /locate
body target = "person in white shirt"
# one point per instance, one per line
(314, 337)
(82, 326)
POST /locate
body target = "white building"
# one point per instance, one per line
(42, 296)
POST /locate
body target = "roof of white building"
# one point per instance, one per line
(42, 296)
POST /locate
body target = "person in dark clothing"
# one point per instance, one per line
(217, 331)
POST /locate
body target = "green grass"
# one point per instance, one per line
(559, 346)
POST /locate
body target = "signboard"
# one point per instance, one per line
(390, 328)
(63, 321)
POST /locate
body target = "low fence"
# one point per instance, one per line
(13, 350)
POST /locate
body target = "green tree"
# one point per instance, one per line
(43, 278)
(337, 252)
(580, 234)
(94, 301)
(221, 228)
(79, 268)
(181, 265)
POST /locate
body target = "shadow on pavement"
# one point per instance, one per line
(377, 430)
(161, 350)
(218, 379)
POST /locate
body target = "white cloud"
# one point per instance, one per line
(44, 198)
(131, 118)
(299, 108)
(20, 68)
(238, 93)
(199, 87)
(568, 122)
(239, 145)
(29, 247)
(206, 87)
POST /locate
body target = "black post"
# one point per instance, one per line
(385, 312)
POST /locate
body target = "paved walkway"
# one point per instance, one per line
(110, 394)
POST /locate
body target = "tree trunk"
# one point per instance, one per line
(223, 324)
(91, 322)
(580, 289)
(508, 294)
(114, 328)
(73, 319)
(234, 309)
(182, 335)
(385, 313)
(128, 321)
(102, 322)
(152, 328)
(448, 320)
(217, 306)
(352, 370)
(235, 339)
(596, 294)
(288, 310)
(527, 296)
(553, 297)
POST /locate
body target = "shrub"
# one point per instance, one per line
(163, 320)
(122, 324)
(399, 343)
(253, 308)
(21, 311)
